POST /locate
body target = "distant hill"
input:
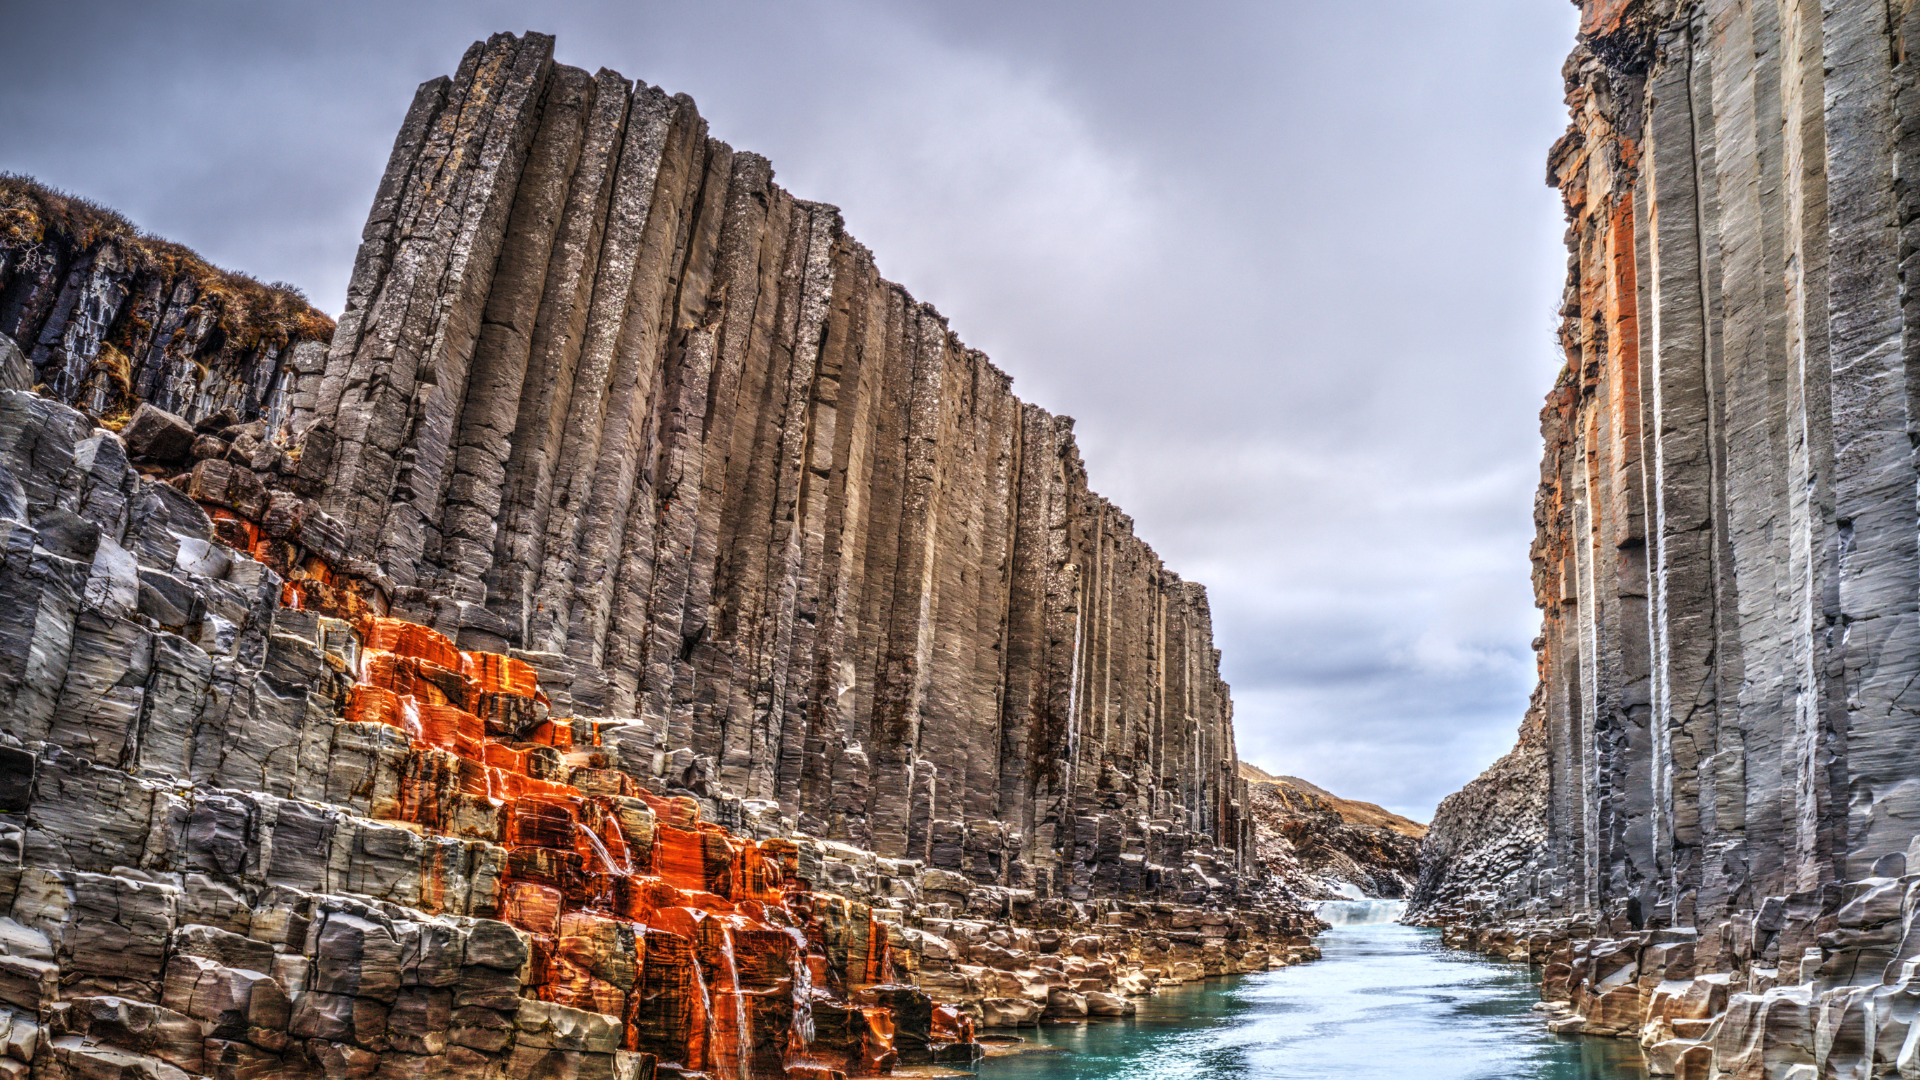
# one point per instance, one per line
(1350, 810)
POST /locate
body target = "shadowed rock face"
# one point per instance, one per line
(639, 641)
(1487, 842)
(1721, 768)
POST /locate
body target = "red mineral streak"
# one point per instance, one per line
(711, 950)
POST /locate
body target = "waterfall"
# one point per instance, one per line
(1359, 909)
(600, 849)
(743, 1033)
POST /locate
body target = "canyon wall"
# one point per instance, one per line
(1319, 847)
(1728, 761)
(606, 397)
(638, 641)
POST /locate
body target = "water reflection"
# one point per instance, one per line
(1386, 1002)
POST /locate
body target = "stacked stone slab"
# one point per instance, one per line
(1726, 551)
(607, 397)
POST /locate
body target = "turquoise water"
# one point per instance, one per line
(1386, 1002)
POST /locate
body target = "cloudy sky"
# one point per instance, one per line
(1290, 263)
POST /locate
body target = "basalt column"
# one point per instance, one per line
(1726, 552)
(608, 398)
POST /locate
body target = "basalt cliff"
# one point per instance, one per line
(637, 640)
(1707, 831)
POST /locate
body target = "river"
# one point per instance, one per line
(1386, 1001)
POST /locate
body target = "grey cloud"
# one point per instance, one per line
(1290, 264)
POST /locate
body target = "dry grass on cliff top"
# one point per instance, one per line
(1351, 811)
(251, 314)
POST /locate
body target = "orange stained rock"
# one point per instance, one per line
(722, 978)
(680, 857)
(404, 638)
(452, 729)
(407, 676)
(1599, 18)
(232, 526)
(531, 907)
(879, 966)
(950, 1025)
(498, 674)
(559, 736)
(505, 758)
(877, 1054)
(370, 704)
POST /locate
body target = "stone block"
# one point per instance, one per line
(157, 436)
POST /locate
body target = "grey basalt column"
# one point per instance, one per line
(394, 385)
(1001, 420)
(844, 663)
(570, 531)
(622, 642)
(1022, 698)
(745, 253)
(681, 428)
(763, 244)
(1682, 473)
(687, 384)
(1056, 739)
(1874, 479)
(490, 414)
(683, 572)
(954, 559)
(901, 684)
(893, 332)
(546, 394)
(615, 482)
(831, 506)
(777, 711)
(1753, 182)
(1819, 761)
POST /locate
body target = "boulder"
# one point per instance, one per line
(157, 436)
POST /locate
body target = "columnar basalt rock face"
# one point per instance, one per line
(1485, 850)
(102, 317)
(608, 399)
(240, 835)
(248, 839)
(638, 641)
(1726, 550)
